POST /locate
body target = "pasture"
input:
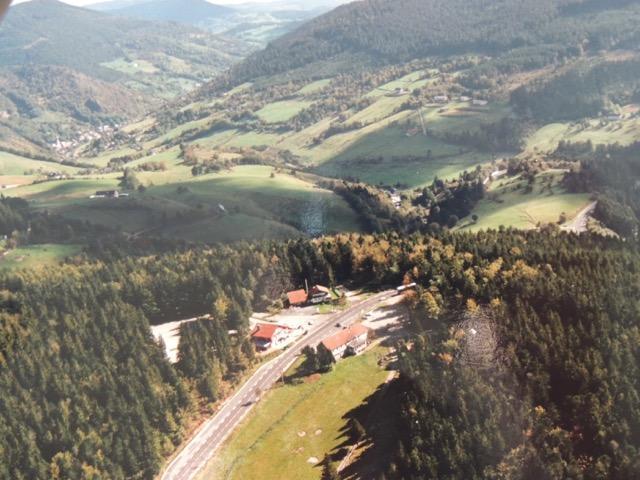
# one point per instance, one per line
(599, 132)
(14, 165)
(297, 423)
(255, 206)
(282, 111)
(508, 204)
(175, 204)
(35, 256)
(314, 87)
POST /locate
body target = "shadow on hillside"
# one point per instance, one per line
(378, 416)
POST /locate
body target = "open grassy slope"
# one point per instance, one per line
(179, 206)
(509, 205)
(296, 422)
(37, 256)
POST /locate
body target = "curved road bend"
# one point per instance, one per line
(200, 449)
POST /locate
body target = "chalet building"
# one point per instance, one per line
(269, 335)
(441, 99)
(480, 103)
(319, 294)
(350, 341)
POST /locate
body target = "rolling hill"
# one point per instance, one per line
(383, 32)
(193, 12)
(94, 69)
(254, 23)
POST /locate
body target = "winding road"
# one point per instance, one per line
(200, 449)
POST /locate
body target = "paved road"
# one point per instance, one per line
(579, 223)
(215, 430)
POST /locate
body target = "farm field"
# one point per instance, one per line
(408, 82)
(15, 165)
(277, 112)
(177, 205)
(33, 256)
(296, 423)
(547, 138)
(249, 194)
(526, 210)
(390, 157)
(314, 87)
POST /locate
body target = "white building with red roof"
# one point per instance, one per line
(270, 335)
(352, 340)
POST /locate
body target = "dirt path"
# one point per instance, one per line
(579, 223)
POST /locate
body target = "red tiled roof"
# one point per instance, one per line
(265, 331)
(344, 337)
(297, 297)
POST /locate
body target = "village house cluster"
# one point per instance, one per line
(104, 132)
(351, 340)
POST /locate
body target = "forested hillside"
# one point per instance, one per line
(89, 392)
(386, 31)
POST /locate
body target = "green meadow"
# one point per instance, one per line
(295, 424)
(509, 205)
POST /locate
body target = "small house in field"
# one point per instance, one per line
(350, 341)
(297, 298)
(269, 335)
(441, 99)
(480, 103)
(319, 294)
(107, 194)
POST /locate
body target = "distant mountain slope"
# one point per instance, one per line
(183, 11)
(399, 30)
(254, 23)
(63, 67)
(48, 32)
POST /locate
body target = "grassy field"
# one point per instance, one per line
(624, 132)
(314, 87)
(178, 205)
(271, 441)
(60, 192)
(408, 82)
(236, 138)
(102, 160)
(383, 107)
(526, 210)
(255, 203)
(179, 130)
(281, 111)
(362, 159)
(130, 67)
(15, 165)
(37, 256)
